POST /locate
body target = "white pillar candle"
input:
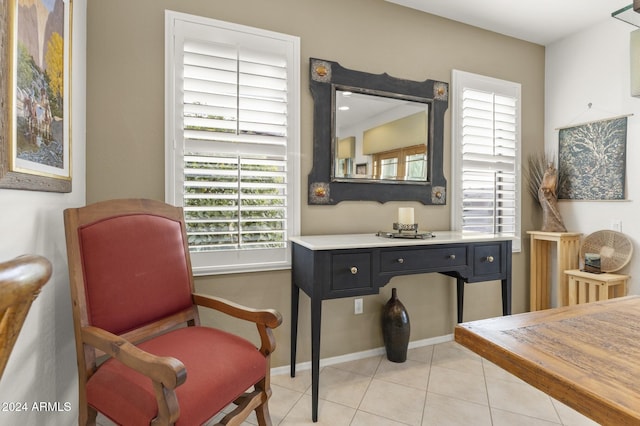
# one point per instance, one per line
(405, 216)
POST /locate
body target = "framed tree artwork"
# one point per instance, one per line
(592, 160)
(35, 143)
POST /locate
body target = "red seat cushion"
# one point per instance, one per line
(220, 367)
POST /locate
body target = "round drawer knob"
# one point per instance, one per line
(490, 259)
(401, 260)
(452, 256)
(354, 270)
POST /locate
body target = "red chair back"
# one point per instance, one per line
(132, 264)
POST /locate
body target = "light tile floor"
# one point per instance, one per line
(443, 384)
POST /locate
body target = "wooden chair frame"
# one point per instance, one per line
(21, 280)
(166, 373)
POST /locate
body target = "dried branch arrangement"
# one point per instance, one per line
(537, 165)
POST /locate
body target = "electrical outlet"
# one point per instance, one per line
(616, 225)
(358, 307)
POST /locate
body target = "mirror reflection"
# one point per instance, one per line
(354, 158)
(377, 137)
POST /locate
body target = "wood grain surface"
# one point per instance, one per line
(586, 356)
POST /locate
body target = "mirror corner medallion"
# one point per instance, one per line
(376, 137)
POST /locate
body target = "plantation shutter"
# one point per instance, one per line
(488, 162)
(487, 156)
(233, 100)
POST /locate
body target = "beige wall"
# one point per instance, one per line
(125, 138)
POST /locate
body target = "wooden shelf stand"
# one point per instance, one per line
(585, 287)
(567, 254)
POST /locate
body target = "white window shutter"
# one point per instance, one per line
(486, 155)
(234, 137)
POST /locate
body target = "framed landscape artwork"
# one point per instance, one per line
(35, 149)
(592, 160)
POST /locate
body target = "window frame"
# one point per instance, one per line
(233, 260)
(459, 81)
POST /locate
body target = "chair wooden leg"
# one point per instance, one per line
(91, 416)
(262, 413)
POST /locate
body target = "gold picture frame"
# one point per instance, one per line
(35, 103)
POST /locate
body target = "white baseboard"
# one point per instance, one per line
(285, 369)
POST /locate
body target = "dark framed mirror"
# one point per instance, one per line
(376, 137)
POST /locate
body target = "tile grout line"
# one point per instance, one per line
(486, 390)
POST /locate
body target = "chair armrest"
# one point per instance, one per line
(166, 370)
(267, 317)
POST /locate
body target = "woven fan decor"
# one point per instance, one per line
(614, 248)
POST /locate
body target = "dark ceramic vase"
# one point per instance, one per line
(395, 329)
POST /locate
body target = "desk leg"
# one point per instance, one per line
(295, 301)
(316, 315)
(460, 295)
(506, 296)
(506, 283)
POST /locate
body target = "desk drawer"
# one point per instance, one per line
(423, 259)
(487, 259)
(350, 271)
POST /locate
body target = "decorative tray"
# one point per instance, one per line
(405, 231)
(412, 235)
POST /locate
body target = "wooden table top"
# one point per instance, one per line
(586, 356)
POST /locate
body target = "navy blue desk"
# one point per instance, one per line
(350, 265)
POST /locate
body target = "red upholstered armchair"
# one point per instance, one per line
(133, 303)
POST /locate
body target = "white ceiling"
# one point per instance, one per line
(537, 21)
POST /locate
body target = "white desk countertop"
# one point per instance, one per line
(349, 241)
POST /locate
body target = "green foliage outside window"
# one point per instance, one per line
(238, 210)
